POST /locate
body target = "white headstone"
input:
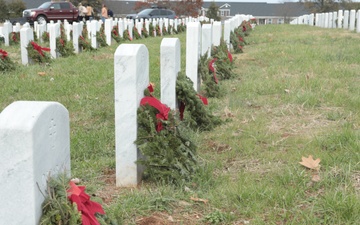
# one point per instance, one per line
(107, 30)
(346, 19)
(121, 27)
(131, 74)
(358, 21)
(216, 33)
(352, 20)
(227, 30)
(206, 39)
(34, 143)
(193, 43)
(340, 19)
(7, 29)
(26, 35)
(76, 35)
(170, 67)
(94, 25)
(52, 39)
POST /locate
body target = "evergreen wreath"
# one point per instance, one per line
(126, 35)
(136, 33)
(157, 29)
(2, 40)
(224, 62)
(181, 28)
(37, 53)
(144, 31)
(85, 44)
(64, 48)
(45, 36)
(115, 34)
(100, 38)
(208, 75)
(57, 208)
(169, 153)
(164, 31)
(235, 42)
(171, 29)
(6, 64)
(151, 30)
(200, 117)
(14, 38)
(84, 32)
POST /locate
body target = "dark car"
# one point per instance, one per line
(52, 11)
(153, 13)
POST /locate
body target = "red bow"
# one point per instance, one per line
(212, 69)
(115, 33)
(162, 108)
(39, 48)
(151, 88)
(3, 53)
(203, 99)
(76, 194)
(244, 29)
(230, 56)
(62, 42)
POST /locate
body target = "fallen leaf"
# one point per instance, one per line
(41, 74)
(310, 163)
(199, 200)
(287, 91)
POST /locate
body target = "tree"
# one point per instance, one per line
(320, 6)
(213, 12)
(16, 7)
(181, 8)
(4, 11)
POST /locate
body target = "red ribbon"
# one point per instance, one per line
(88, 209)
(162, 108)
(39, 48)
(203, 99)
(115, 33)
(244, 29)
(230, 56)
(62, 42)
(151, 88)
(212, 69)
(3, 53)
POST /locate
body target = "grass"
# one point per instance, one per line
(296, 93)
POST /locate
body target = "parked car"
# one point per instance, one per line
(153, 13)
(52, 11)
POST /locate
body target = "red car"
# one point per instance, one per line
(52, 11)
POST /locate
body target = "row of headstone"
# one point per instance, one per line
(346, 19)
(35, 136)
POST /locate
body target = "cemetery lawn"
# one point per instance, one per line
(296, 94)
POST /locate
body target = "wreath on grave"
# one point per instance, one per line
(45, 36)
(85, 44)
(165, 142)
(6, 63)
(207, 73)
(2, 39)
(136, 33)
(144, 32)
(224, 61)
(67, 203)
(100, 38)
(84, 32)
(164, 31)
(14, 38)
(200, 118)
(115, 34)
(246, 27)
(181, 28)
(126, 35)
(151, 30)
(171, 29)
(64, 48)
(157, 29)
(235, 42)
(37, 53)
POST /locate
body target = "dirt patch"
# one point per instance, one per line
(109, 191)
(290, 120)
